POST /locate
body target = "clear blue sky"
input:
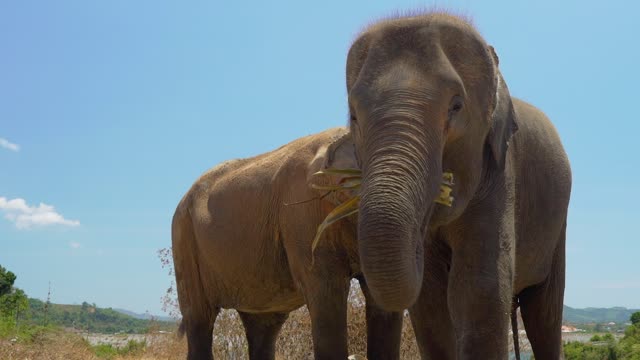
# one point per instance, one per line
(109, 110)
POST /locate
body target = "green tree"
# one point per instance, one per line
(13, 301)
(629, 347)
(7, 278)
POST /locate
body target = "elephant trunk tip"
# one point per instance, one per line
(403, 297)
(393, 275)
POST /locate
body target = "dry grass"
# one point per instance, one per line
(295, 340)
(50, 345)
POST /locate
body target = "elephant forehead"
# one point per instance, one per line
(419, 73)
(400, 73)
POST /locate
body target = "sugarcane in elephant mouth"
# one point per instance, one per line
(352, 180)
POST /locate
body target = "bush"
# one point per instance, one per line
(629, 346)
(576, 350)
(24, 333)
(108, 351)
(7, 328)
(133, 347)
(105, 351)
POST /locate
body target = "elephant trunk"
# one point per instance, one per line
(399, 177)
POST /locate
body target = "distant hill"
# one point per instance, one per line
(91, 318)
(145, 316)
(597, 315)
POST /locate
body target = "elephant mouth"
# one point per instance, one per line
(348, 187)
(445, 197)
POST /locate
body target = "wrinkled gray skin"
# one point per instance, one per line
(237, 245)
(426, 96)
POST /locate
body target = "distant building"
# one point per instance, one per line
(569, 329)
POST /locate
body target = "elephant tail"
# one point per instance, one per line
(181, 329)
(514, 327)
(192, 297)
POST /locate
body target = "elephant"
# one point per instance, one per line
(241, 239)
(426, 97)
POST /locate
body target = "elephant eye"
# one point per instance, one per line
(455, 106)
(352, 118)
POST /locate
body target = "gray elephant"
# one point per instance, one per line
(426, 97)
(242, 238)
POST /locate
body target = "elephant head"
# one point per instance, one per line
(425, 97)
(338, 153)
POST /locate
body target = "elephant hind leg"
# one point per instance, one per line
(198, 312)
(541, 307)
(200, 335)
(262, 332)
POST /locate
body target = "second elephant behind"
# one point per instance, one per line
(242, 240)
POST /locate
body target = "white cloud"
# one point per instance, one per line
(74, 245)
(25, 216)
(9, 145)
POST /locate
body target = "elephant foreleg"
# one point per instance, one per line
(480, 288)
(480, 305)
(324, 281)
(326, 296)
(262, 332)
(541, 307)
(384, 329)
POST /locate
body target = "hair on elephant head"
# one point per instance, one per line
(425, 97)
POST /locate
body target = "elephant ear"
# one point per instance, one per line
(338, 153)
(503, 119)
